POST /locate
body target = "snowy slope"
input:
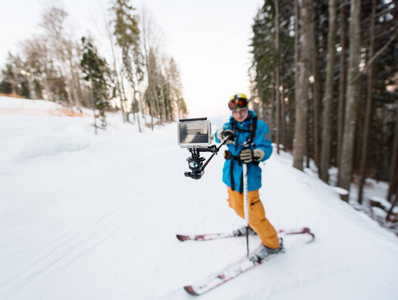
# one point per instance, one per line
(95, 217)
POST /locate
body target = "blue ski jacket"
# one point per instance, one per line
(233, 169)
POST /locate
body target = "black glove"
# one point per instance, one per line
(223, 134)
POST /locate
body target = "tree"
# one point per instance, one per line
(318, 58)
(150, 40)
(95, 71)
(263, 51)
(10, 73)
(375, 84)
(127, 36)
(350, 120)
(271, 73)
(342, 78)
(329, 88)
(174, 80)
(64, 53)
(305, 67)
(393, 174)
(277, 77)
(369, 106)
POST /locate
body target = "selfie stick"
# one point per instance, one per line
(214, 150)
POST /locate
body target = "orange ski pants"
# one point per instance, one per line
(257, 220)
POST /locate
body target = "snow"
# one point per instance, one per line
(10, 102)
(86, 216)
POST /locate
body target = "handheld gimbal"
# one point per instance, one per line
(195, 134)
(197, 163)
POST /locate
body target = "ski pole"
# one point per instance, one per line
(246, 205)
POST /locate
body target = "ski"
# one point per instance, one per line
(205, 237)
(234, 270)
(224, 276)
(216, 236)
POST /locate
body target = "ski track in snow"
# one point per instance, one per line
(95, 217)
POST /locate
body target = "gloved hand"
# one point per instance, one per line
(258, 154)
(222, 134)
(249, 155)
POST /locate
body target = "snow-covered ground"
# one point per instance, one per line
(95, 217)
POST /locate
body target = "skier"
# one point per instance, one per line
(249, 143)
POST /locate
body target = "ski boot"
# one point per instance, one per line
(263, 252)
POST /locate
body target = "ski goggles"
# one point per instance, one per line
(236, 104)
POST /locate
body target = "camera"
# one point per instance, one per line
(195, 134)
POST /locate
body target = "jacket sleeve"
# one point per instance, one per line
(263, 139)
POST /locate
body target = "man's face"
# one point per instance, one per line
(240, 114)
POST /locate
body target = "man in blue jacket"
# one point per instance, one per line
(251, 144)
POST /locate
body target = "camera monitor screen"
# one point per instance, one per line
(194, 132)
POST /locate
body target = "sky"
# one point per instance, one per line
(209, 40)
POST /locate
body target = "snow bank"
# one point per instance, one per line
(16, 106)
(48, 144)
(9, 102)
(23, 138)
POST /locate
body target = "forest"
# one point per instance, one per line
(324, 76)
(134, 76)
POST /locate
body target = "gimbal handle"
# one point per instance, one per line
(196, 160)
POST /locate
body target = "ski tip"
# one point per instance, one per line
(307, 230)
(182, 237)
(189, 289)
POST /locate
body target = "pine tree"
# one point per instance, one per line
(96, 71)
(127, 36)
(271, 73)
(327, 113)
(10, 74)
(174, 82)
(351, 110)
(305, 68)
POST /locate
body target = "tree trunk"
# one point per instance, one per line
(350, 120)
(394, 160)
(277, 81)
(343, 80)
(369, 107)
(327, 112)
(123, 102)
(389, 213)
(115, 67)
(297, 70)
(316, 101)
(73, 80)
(305, 67)
(139, 109)
(272, 124)
(283, 117)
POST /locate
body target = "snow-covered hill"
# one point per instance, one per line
(95, 217)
